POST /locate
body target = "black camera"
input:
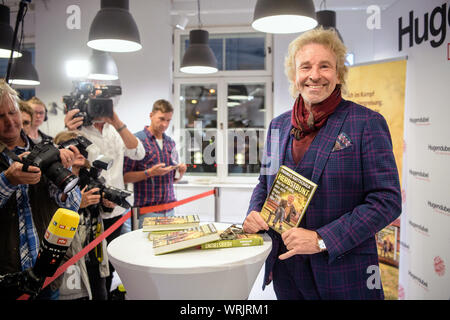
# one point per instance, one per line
(80, 142)
(92, 101)
(91, 178)
(46, 157)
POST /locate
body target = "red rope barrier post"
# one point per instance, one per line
(216, 204)
(135, 218)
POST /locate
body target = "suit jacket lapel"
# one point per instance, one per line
(284, 139)
(327, 138)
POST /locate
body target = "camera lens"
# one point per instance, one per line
(63, 178)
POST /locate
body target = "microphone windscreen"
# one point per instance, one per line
(56, 241)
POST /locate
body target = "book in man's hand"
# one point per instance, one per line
(288, 199)
(170, 223)
(182, 239)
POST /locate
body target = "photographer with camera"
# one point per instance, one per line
(90, 111)
(28, 199)
(93, 268)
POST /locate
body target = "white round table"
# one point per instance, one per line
(188, 274)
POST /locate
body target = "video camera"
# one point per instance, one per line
(92, 101)
(91, 178)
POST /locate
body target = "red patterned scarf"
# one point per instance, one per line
(306, 124)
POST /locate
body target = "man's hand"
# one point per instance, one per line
(114, 120)
(68, 156)
(160, 169)
(16, 176)
(182, 169)
(89, 198)
(71, 122)
(299, 241)
(108, 204)
(254, 223)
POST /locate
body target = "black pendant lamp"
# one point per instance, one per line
(199, 58)
(327, 19)
(23, 72)
(102, 66)
(284, 16)
(6, 34)
(114, 29)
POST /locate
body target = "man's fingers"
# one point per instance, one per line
(254, 223)
(287, 255)
(22, 155)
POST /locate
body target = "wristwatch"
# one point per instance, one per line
(321, 244)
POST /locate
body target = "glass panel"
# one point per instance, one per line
(200, 151)
(243, 51)
(246, 105)
(245, 149)
(198, 103)
(246, 109)
(198, 114)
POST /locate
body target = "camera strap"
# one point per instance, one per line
(11, 155)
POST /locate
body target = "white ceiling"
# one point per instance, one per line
(233, 6)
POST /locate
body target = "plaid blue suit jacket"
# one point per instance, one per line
(358, 194)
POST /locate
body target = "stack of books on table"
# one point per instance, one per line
(171, 234)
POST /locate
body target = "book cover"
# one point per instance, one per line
(242, 240)
(387, 247)
(178, 240)
(170, 223)
(287, 200)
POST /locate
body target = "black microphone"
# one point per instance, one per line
(56, 241)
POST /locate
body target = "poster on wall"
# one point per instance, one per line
(380, 86)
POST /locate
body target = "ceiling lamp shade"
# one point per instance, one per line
(102, 66)
(327, 19)
(6, 34)
(199, 58)
(23, 72)
(284, 16)
(114, 29)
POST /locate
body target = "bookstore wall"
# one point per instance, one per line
(425, 219)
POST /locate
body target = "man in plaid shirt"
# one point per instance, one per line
(153, 176)
(28, 200)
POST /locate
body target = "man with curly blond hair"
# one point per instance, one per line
(346, 149)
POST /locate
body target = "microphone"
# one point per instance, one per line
(56, 241)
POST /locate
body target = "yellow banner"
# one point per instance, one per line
(381, 87)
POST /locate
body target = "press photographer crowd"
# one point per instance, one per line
(58, 194)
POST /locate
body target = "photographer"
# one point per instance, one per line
(115, 141)
(94, 266)
(27, 199)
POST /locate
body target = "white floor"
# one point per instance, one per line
(255, 294)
